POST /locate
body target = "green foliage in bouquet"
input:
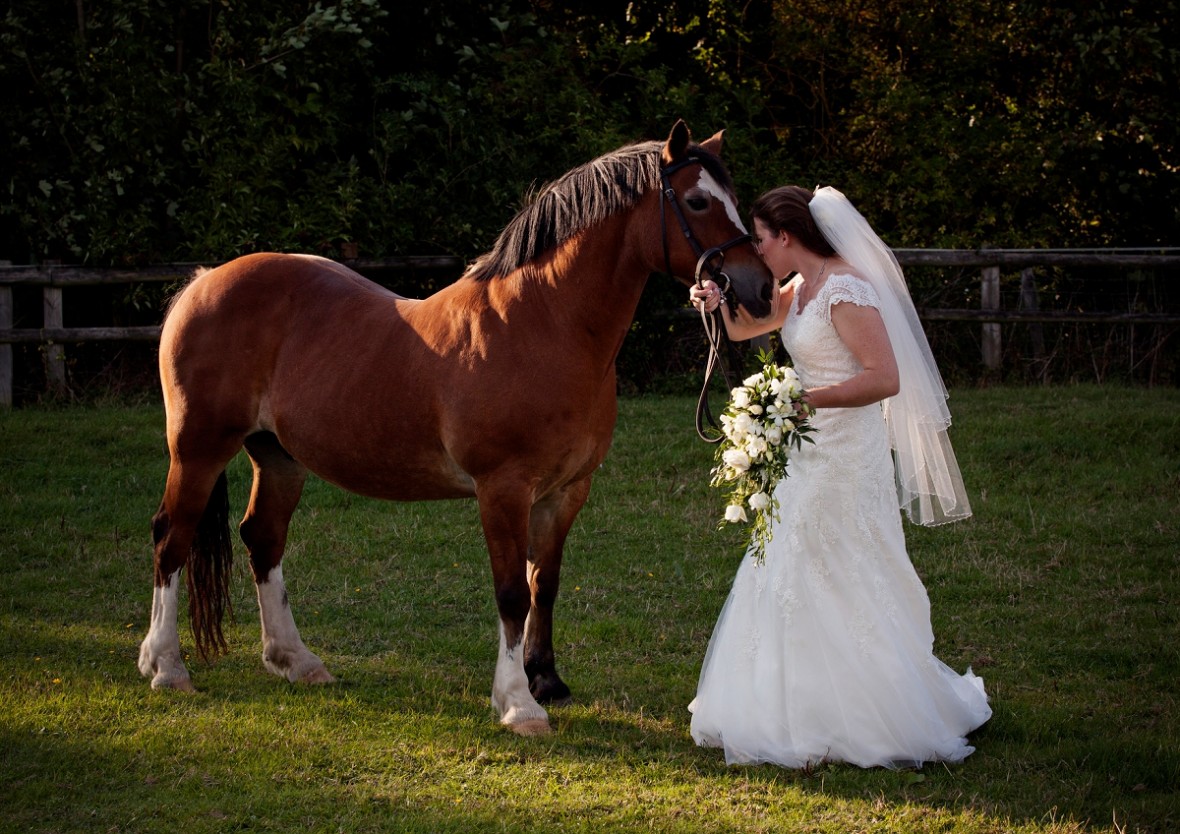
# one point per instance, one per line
(766, 419)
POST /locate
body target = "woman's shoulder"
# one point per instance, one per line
(844, 285)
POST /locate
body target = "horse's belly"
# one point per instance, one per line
(404, 473)
(369, 457)
(391, 474)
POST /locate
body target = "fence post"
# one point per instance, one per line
(990, 300)
(6, 320)
(1029, 303)
(55, 352)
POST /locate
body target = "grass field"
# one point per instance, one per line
(1061, 592)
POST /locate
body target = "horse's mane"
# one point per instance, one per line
(579, 199)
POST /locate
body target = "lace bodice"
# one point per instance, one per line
(849, 461)
(819, 355)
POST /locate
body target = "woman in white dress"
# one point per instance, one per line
(824, 652)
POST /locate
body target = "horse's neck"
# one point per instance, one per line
(573, 306)
(594, 282)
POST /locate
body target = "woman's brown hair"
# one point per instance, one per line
(787, 209)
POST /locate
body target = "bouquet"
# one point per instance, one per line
(765, 418)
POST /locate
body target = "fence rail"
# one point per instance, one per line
(53, 279)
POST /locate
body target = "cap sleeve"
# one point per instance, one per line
(851, 289)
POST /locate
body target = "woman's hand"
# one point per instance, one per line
(707, 296)
(804, 408)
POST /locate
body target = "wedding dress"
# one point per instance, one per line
(824, 652)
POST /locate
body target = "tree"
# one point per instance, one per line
(140, 131)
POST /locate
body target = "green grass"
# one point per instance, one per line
(1061, 592)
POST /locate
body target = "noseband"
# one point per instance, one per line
(709, 261)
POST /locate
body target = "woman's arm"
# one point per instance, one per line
(742, 325)
(863, 331)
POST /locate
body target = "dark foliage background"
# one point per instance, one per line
(147, 131)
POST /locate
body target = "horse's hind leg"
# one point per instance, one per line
(548, 527)
(193, 506)
(278, 484)
(172, 534)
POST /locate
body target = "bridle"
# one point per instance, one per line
(705, 257)
(709, 261)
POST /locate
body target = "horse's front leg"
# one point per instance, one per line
(504, 512)
(548, 527)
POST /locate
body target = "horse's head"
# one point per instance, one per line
(706, 238)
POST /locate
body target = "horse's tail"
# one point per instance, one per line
(208, 576)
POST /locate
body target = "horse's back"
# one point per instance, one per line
(256, 299)
(233, 323)
(266, 279)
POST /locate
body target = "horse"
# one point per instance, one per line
(500, 386)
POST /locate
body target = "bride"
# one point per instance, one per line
(824, 651)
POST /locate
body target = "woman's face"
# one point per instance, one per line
(770, 247)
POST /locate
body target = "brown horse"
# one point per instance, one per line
(500, 387)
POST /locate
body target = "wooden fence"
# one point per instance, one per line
(53, 279)
(53, 335)
(992, 261)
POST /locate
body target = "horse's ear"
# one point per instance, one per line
(713, 143)
(677, 144)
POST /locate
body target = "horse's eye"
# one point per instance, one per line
(697, 202)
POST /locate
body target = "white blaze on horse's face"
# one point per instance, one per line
(707, 183)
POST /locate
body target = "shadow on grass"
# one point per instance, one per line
(408, 736)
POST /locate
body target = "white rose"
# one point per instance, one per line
(759, 501)
(740, 397)
(735, 513)
(756, 447)
(736, 459)
(774, 435)
(744, 425)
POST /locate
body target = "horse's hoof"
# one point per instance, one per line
(184, 684)
(318, 676)
(550, 689)
(532, 727)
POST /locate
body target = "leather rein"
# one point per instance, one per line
(709, 261)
